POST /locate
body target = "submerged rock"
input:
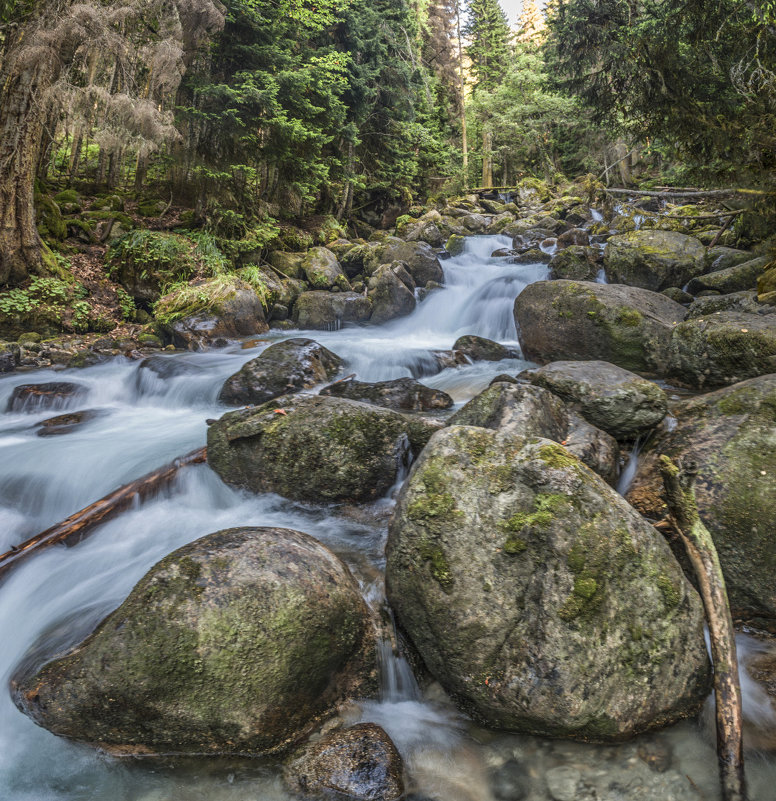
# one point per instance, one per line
(315, 448)
(731, 435)
(723, 348)
(67, 423)
(627, 326)
(653, 259)
(479, 349)
(360, 763)
(537, 596)
(329, 311)
(289, 366)
(402, 394)
(615, 400)
(51, 395)
(235, 644)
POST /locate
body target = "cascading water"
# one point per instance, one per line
(53, 600)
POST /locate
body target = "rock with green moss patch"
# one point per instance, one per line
(577, 263)
(723, 348)
(627, 326)
(731, 435)
(329, 311)
(456, 245)
(9, 357)
(653, 259)
(323, 271)
(206, 313)
(736, 301)
(235, 644)
(420, 259)
(315, 448)
(289, 264)
(531, 411)
(615, 400)
(283, 368)
(732, 279)
(537, 596)
(390, 296)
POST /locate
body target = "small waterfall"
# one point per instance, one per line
(601, 277)
(596, 215)
(397, 681)
(629, 471)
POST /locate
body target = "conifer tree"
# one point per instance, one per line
(532, 23)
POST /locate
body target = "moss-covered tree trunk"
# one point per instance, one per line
(23, 109)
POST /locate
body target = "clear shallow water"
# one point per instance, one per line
(51, 601)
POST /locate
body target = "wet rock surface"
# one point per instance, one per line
(402, 394)
(67, 423)
(314, 448)
(360, 762)
(237, 643)
(51, 395)
(283, 368)
(329, 311)
(479, 349)
(507, 557)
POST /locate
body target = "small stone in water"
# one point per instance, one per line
(510, 782)
(656, 754)
(562, 783)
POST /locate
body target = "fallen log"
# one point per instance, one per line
(679, 484)
(80, 525)
(707, 193)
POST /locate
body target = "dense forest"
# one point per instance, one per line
(504, 528)
(252, 126)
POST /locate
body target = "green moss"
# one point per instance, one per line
(524, 523)
(557, 457)
(672, 594)
(515, 545)
(630, 318)
(585, 588)
(440, 569)
(186, 300)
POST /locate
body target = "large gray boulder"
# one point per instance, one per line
(653, 259)
(402, 394)
(390, 296)
(235, 644)
(422, 263)
(731, 435)
(627, 326)
(537, 596)
(615, 400)
(359, 763)
(315, 448)
(283, 368)
(323, 270)
(329, 311)
(531, 411)
(723, 348)
(576, 263)
(737, 278)
(736, 301)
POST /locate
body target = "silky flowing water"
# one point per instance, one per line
(53, 600)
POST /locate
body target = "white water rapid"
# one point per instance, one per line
(53, 600)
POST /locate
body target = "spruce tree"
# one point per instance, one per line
(490, 38)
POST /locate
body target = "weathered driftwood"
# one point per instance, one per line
(679, 484)
(80, 525)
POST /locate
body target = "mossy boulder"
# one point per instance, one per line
(627, 326)
(738, 278)
(235, 644)
(576, 263)
(720, 257)
(359, 763)
(402, 394)
(724, 348)
(456, 245)
(9, 357)
(420, 259)
(731, 435)
(389, 294)
(329, 311)
(323, 271)
(537, 596)
(736, 301)
(621, 403)
(654, 259)
(314, 448)
(766, 283)
(51, 224)
(206, 313)
(289, 264)
(531, 411)
(289, 366)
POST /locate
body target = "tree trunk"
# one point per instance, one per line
(462, 88)
(487, 159)
(22, 116)
(680, 497)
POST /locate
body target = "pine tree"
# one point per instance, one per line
(532, 24)
(490, 38)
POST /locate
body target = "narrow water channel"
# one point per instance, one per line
(53, 600)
